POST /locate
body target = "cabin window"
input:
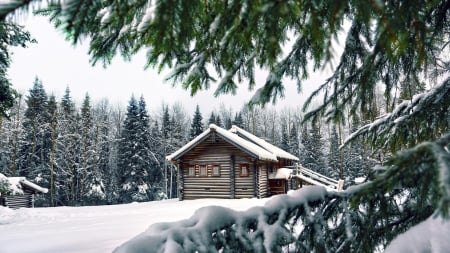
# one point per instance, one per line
(191, 171)
(203, 171)
(244, 170)
(216, 171)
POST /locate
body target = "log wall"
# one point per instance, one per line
(17, 201)
(215, 151)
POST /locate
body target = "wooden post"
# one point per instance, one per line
(255, 180)
(180, 181)
(232, 178)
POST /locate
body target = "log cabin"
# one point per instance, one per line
(18, 192)
(231, 163)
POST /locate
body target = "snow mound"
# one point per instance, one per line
(431, 235)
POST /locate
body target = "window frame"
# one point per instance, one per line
(242, 168)
(191, 168)
(213, 170)
(201, 168)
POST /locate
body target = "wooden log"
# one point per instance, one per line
(232, 177)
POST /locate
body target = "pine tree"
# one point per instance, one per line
(284, 137)
(228, 124)
(148, 159)
(53, 113)
(67, 152)
(218, 121)
(89, 178)
(103, 187)
(313, 157)
(10, 134)
(355, 163)
(238, 120)
(35, 141)
(197, 124)
(334, 155)
(294, 146)
(133, 174)
(212, 119)
(166, 132)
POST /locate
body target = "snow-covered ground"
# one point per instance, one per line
(94, 229)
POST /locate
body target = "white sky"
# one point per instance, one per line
(60, 64)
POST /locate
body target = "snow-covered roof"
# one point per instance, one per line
(269, 147)
(282, 173)
(248, 146)
(16, 184)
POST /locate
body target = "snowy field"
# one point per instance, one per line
(94, 229)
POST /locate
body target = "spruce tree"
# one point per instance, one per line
(313, 157)
(284, 137)
(67, 152)
(212, 119)
(238, 121)
(197, 124)
(132, 173)
(53, 113)
(334, 155)
(294, 146)
(218, 121)
(355, 165)
(35, 142)
(148, 160)
(90, 180)
(228, 123)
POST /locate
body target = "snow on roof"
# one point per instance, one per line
(16, 183)
(269, 147)
(254, 149)
(282, 173)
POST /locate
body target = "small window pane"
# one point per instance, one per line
(216, 170)
(244, 170)
(191, 172)
(203, 171)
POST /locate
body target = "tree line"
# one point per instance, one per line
(93, 154)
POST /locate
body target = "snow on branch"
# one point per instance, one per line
(213, 229)
(411, 116)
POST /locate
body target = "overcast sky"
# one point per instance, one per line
(60, 64)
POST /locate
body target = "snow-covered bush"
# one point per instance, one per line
(5, 186)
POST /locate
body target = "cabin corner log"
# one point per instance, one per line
(232, 177)
(180, 181)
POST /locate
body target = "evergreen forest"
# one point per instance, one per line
(96, 153)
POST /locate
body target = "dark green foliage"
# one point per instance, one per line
(218, 121)
(134, 155)
(334, 155)
(355, 163)
(212, 119)
(197, 124)
(10, 35)
(35, 143)
(238, 121)
(284, 137)
(294, 145)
